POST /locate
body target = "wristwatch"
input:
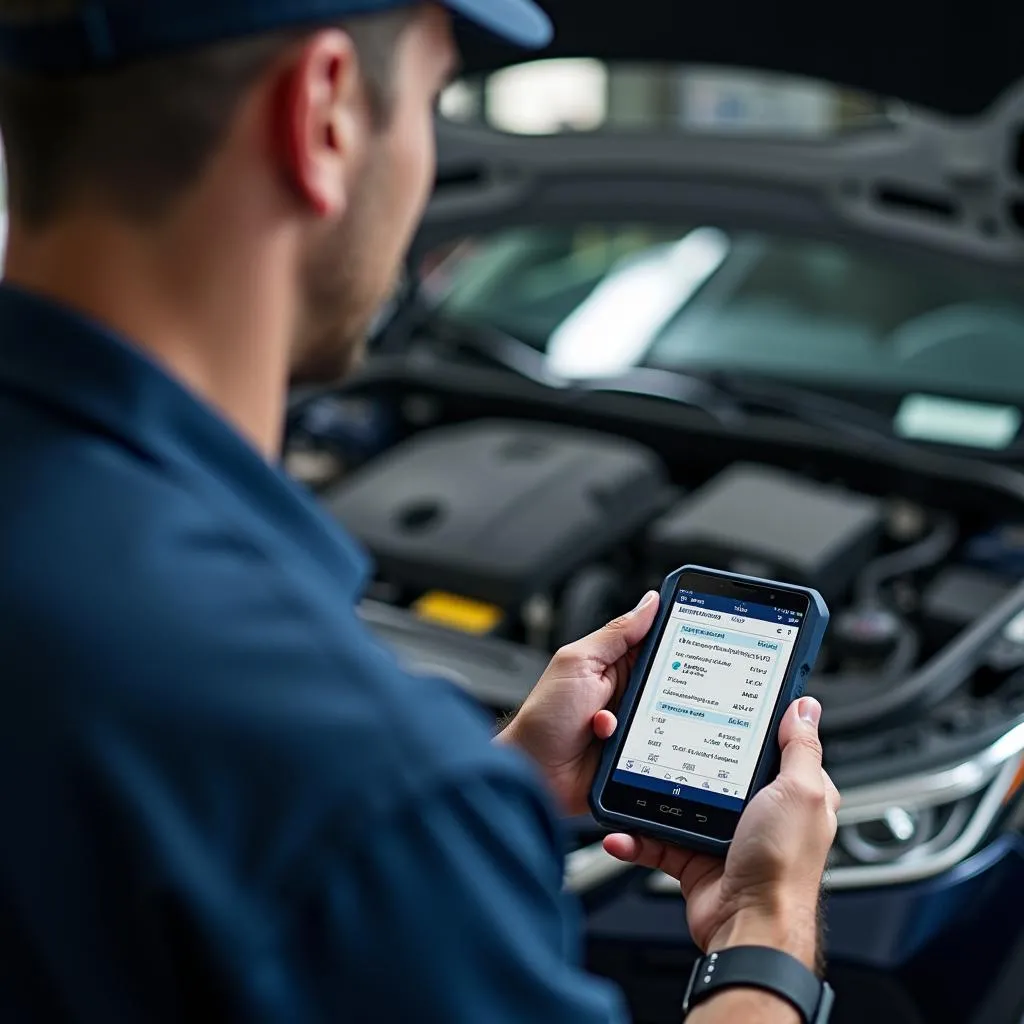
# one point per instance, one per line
(763, 968)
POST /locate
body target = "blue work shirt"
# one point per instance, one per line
(221, 798)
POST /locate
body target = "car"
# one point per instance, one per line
(760, 303)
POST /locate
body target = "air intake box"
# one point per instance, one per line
(767, 522)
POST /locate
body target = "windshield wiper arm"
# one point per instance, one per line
(513, 354)
(808, 406)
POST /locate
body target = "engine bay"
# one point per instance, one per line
(499, 538)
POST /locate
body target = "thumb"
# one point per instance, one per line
(615, 640)
(798, 737)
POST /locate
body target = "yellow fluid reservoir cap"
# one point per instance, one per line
(460, 613)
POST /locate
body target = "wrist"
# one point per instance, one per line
(791, 929)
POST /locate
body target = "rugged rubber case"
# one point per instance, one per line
(806, 651)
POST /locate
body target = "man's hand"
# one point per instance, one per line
(766, 891)
(567, 717)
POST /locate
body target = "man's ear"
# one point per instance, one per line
(322, 122)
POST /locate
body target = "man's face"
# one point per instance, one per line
(353, 264)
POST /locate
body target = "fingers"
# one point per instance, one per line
(622, 847)
(649, 853)
(802, 776)
(614, 641)
(604, 725)
(798, 737)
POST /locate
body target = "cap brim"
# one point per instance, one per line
(520, 22)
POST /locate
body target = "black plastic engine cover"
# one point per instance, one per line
(499, 510)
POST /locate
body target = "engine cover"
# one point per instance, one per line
(499, 510)
(765, 522)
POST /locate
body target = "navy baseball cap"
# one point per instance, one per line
(105, 33)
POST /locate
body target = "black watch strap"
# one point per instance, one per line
(763, 968)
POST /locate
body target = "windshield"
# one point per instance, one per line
(602, 299)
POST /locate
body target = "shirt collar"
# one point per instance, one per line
(57, 358)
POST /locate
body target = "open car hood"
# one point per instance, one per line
(951, 190)
(951, 186)
(943, 180)
(953, 56)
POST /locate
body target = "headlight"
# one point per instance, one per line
(920, 826)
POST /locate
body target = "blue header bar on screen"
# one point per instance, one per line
(717, 607)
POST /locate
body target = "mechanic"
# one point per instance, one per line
(221, 798)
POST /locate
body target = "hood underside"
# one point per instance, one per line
(951, 57)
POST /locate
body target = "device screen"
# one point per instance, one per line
(699, 726)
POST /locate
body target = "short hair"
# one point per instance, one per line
(137, 136)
